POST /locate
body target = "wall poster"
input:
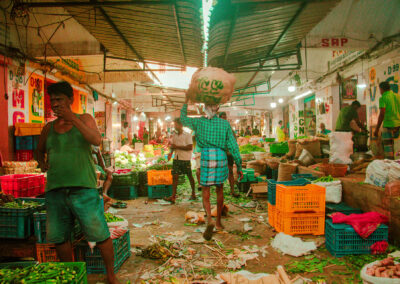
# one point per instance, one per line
(348, 89)
(18, 95)
(36, 98)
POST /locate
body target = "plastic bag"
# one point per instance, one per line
(341, 145)
(333, 191)
(211, 85)
(292, 245)
(378, 172)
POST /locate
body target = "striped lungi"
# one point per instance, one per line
(214, 167)
(388, 136)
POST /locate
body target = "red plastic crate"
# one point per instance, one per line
(48, 253)
(23, 185)
(24, 155)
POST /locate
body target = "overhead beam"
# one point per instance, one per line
(294, 18)
(179, 33)
(91, 3)
(231, 29)
(123, 38)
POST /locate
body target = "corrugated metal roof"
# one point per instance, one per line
(246, 33)
(167, 32)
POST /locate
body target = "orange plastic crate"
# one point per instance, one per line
(271, 214)
(300, 223)
(308, 198)
(159, 177)
(48, 253)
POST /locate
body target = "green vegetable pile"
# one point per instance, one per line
(110, 218)
(325, 179)
(159, 167)
(248, 149)
(41, 273)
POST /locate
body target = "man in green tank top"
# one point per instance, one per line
(71, 191)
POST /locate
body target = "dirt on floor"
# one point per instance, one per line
(199, 261)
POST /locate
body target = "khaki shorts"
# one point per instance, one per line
(197, 158)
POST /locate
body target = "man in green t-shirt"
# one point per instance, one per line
(389, 114)
(348, 118)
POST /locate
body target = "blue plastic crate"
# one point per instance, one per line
(94, 260)
(159, 191)
(306, 176)
(24, 143)
(123, 192)
(272, 187)
(341, 207)
(16, 223)
(341, 239)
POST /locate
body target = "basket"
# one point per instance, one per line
(261, 155)
(159, 191)
(94, 260)
(19, 167)
(23, 185)
(272, 187)
(126, 177)
(271, 214)
(300, 223)
(16, 223)
(123, 192)
(24, 155)
(338, 170)
(308, 198)
(341, 239)
(155, 177)
(39, 220)
(24, 143)
(341, 207)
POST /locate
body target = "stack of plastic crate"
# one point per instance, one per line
(159, 183)
(299, 210)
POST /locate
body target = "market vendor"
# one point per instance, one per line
(348, 119)
(280, 133)
(71, 178)
(255, 131)
(324, 131)
(389, 115)
(248, 131)
(182, 146)
(214, 135)
(230, 162)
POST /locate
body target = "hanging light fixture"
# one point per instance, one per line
(280, 100)
(292, 88)
(273, 105)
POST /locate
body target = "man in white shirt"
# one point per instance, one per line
(182, 145)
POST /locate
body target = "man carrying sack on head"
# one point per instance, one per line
(213, 135)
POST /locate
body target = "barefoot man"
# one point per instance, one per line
(213, 135)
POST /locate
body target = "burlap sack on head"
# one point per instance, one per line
(312, 146)
(286, 170)
(292, 148)
(211, 85)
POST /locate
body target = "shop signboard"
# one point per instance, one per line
(18, 94)
(36, 98)
(338, 42)
(100, 117)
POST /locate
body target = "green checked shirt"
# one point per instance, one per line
(213, 133)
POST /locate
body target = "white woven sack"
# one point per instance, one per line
(377, 172)
(333, 191)
(341, 145)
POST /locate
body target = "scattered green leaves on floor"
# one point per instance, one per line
(207, 271)
(244, 235)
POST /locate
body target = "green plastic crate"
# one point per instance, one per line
(159, 191)
(94, 260)
(341, 207)
(16, 223)
(123, 192)
(279, 148)
(131, 178)
(269, 139)
(39, 220)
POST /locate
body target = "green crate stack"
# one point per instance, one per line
(279, 148)
(159, 191)
(123, 192)
(248, 176)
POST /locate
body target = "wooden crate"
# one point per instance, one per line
(259, 190)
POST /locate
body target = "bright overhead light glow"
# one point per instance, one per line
(361, 86)
(273, 105)
(159, 120)
(302, 95)
(237, 121)
(113, 95)
(168, 118)
(115, 103)
(135, 118)
(137, 127)
(280, 100)
(291, 89)
(116, 125)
